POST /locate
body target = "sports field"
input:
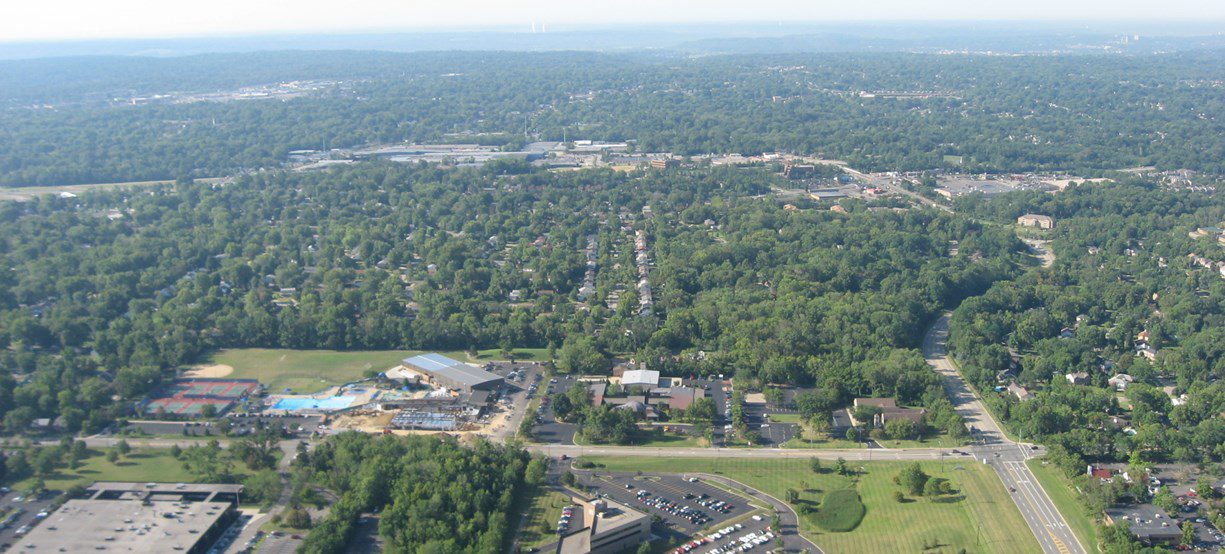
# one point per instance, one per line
(311, 371)
(981, 518)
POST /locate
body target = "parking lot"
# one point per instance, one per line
(547, 428)
(240, 425)
(280, 542)
(27, 509)
(772, 434)
(684, 507)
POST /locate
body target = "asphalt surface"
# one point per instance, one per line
(30, 508)
(674, 486)
(1006, 457)
(884, 182)
(519, 399)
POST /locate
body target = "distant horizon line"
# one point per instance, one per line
(527, 28)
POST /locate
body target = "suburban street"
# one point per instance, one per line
(1001, 453)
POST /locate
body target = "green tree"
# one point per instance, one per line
(297, 518)
(814, 463)
(912, 478)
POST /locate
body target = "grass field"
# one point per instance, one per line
(841, 510)
(304, 371)
(311, 371)
(658, 439)
(542, 515)
(822, 444)
(1059, 488)
(784, 418)
(141, 465)
(981, 518)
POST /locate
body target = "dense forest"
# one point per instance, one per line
(109, 292)
(435, 495)
(1126, 276)
(1084, 114)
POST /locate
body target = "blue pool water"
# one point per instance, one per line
(332, 403)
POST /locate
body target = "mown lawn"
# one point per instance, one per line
(658, 439)
(540, 528)
(311, 371)
(981, 518)
(1059, 488)
(141, 465)
(304, 371)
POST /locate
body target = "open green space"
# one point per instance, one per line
(979, 518)
(304, 371)
(543, 512)
(823, 444)
(657, 439)
(141, 465)
(784, 418)
(840, 510)
(311, 371)
(1059, 488)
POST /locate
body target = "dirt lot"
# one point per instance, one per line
(210, 371)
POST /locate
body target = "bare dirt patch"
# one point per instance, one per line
(209, 371)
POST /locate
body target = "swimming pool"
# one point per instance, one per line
(305, 403)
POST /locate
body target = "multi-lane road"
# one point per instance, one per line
(1001, 453)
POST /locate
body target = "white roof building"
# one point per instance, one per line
(645, 377)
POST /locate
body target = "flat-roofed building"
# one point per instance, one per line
(453, 374)
(607, 527)
(1149, 524)
(135, 517)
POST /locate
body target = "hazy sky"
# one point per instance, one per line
(24, 20)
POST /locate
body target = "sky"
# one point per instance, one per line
(53, 20)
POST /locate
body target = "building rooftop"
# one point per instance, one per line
(1147, 522)
(133, 526)
(640, 377)
(877, 402)
(455, 370)
(600, 517)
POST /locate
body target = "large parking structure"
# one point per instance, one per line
(188, 397)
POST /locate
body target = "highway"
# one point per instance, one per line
(1001, 453)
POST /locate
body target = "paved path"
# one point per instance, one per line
(1000, 452)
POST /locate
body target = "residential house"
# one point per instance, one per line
(1078, 378)
(1121, 381)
